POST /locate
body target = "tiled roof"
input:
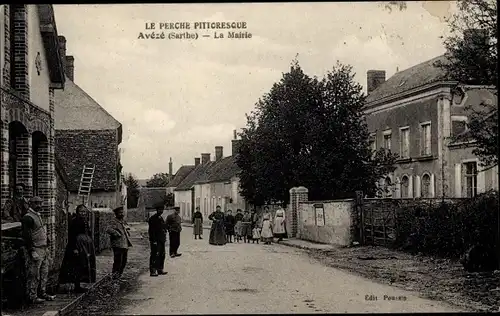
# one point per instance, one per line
(199, 172)
(214, 171)
(413, 77)
(180, 175)
(152, 196)
(223, 170)
(76, 110)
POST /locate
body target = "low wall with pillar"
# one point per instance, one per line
(329, 222)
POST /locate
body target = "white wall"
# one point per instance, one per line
(183, 200)
(39, 84)
(107, 198)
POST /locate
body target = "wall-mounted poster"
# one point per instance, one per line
(319, 212)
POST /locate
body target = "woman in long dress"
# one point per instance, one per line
(217, 232)
(280, 225)
(237, 227)
(79, 263)
(197, 224)
(267, 229)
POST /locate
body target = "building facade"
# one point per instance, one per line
(418, 114)
(31, 71)
(86, 134)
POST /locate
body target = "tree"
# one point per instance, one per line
(132, 190)
(158, 180)
(472, 58)
(170, 199)
(309, 132)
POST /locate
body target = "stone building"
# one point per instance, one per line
(31, 71)
(86, 134)
(417, 113)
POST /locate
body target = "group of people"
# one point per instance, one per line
(246, 226)
(79, 262)
(158, 228)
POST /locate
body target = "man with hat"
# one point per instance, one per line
(157, 239)
(174, 227)
(38, 256)
(120, 242)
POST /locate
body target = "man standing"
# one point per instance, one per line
(15, 208)
(157, 239)
(36, 241)
(174, 228)
(120, 242)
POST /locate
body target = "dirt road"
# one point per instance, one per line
(251, 278)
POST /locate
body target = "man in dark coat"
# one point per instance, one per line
(174, 227)
(157, 239)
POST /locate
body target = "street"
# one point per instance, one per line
(251, 278)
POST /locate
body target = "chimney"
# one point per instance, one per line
(170, 167)
(218, 153)
(205, 158)
(196, 161)
(62, 49)
(374, 79)
(69, 67)
(235, 134)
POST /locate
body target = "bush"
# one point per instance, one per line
(448, 228)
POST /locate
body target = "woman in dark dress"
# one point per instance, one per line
(229, 225)
(217, 232)
(79, 263)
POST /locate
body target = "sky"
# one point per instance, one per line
(181, 98)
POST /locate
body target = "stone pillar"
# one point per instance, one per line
(24, 163)
(297, 195)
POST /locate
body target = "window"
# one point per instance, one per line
(425, 138)
(470, 179)
(405, 187)
(387, 139)
(373, 142)
(426, 186)
(405, 142)
(458, 127)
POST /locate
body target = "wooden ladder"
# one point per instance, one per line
(86, 184)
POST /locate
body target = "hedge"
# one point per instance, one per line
(448, 229)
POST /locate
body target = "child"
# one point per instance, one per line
(267, 230)
(255, 235)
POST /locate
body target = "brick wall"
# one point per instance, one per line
(79, 147)
(20, 63)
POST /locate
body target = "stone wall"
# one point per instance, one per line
(99, 148)
(102, 218)
(135, 215)
(335, 228)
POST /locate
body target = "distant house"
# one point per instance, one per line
(418, 113)
(210, 184)
(184, 192)
(180, 175)
(149, 198)
(86, 134)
